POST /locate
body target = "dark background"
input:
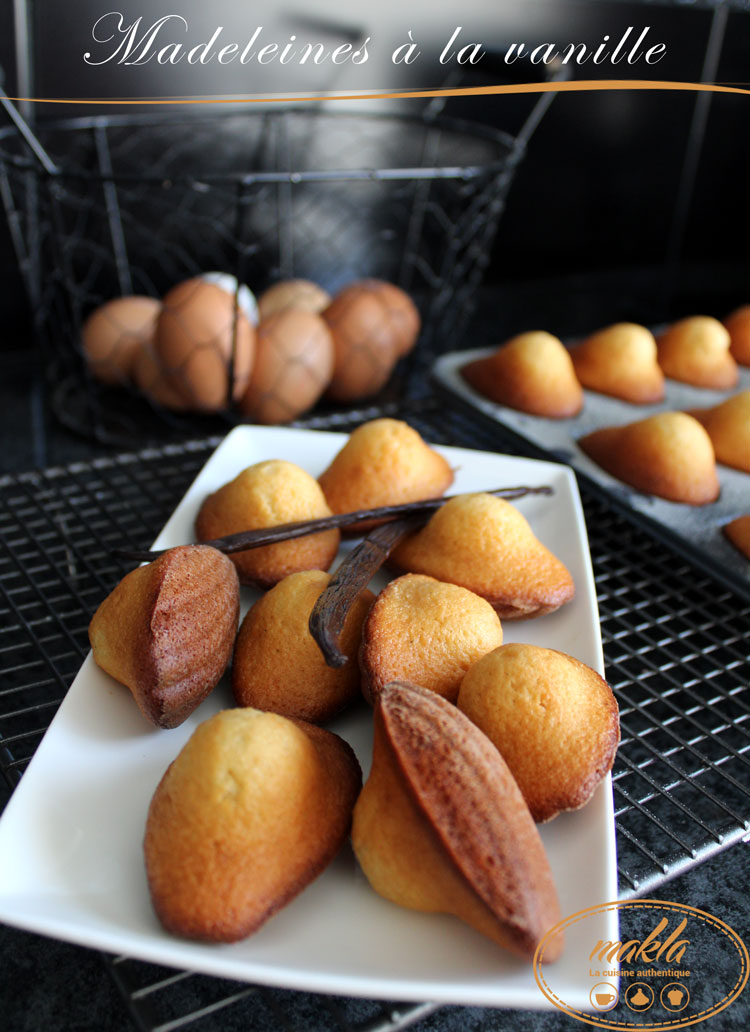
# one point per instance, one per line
(600, 190)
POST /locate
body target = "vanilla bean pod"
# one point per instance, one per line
(350, 580)
(246, 539)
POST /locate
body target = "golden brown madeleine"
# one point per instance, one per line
(728, 426)
(669, 455)
(251, 811)
(265, 495)
(485, 544)
(384, 462)
(427, 632)
(696, 350)
(278, 665)
(554, 720)
(441, 826)
(737, 531)
(168, 629)
(620, 360)
(738, 324)
(532, 372)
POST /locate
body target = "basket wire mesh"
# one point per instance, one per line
(136, 204)
(675, 646)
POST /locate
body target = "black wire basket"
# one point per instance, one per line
(100, 207)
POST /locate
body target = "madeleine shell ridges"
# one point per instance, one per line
(249, 813)
(554, 720)
(265, 495)
(384, 462)
(485, 544)
(278, 665)
(168, 629)
(441, 826)
(427, 632)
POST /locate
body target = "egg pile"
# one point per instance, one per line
(208, 345)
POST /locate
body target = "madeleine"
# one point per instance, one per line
(253, 808)
(384, 462)
(427, 632)
(266, 495)
(696, 351)
(278, 665)
(738, 324)
(669, 455)
(554, 720)
(486, 545)
(532, 372)
(168, 629)
(620, 361)
(737, 532)
(728, 426)
(441, 826)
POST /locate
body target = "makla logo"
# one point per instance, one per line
(647, 951)
(672, 966)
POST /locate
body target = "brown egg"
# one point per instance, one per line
(294, 293)
(402, 312)
(149, 378)
(293, 366)
(113, 334)
(195, 333)
(373, 324)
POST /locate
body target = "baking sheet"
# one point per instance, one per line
(71, 863)
(695, 530)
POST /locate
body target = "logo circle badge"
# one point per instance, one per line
(674, 997)
(639, 996)
(654, 950)
(604, 996)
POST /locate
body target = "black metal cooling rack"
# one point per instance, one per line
(675, 644)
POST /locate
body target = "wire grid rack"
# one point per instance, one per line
(109, 206)
(675, 644)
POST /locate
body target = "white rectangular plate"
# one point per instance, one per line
(70, 839)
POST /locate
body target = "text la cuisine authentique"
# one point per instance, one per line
(138, 44)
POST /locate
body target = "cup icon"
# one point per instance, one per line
(603, 996)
